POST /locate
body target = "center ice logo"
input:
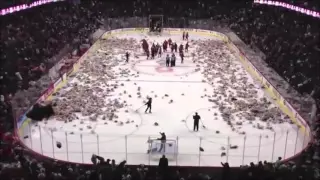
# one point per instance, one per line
(161, 68)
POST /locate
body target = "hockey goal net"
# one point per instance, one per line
(169, 148)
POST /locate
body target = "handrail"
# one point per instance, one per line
(305, 11)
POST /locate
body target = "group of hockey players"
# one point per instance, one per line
(157, 50)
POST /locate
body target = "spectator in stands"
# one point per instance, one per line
(163, 166)
(225, 171)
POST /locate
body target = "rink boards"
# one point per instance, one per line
(23, 124)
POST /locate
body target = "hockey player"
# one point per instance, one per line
(196, 119)
(175, 47)
(145, 45)
(187, 36)
(172, 48)
(173, 60)
(168, 60)
(149, 103)
(153, 51)
(186, 47)
(148, 54)
(127, 57)
(183, 35)
(163, 142)
(180, 48)
(165, 45)
(169, 41)
(160, 51)
(181, 56)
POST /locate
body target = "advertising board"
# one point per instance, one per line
(200, 30)
(138, 29)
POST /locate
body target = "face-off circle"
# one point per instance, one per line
(161, 69)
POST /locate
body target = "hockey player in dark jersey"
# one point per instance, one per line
(181, 56)
(163, 142)
(187, 47)
(168, 60)
(175, 47)
(172, 48)
(148, 54)
(165, 45)
(153, 51)
(127, 57)
(180, 48)
(173, 60)
(149, 103)
(196, 119)
(169, 41)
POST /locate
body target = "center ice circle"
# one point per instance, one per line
(158, 67)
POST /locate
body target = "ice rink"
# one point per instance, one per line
(100, 110)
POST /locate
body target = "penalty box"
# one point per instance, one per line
(155, 23)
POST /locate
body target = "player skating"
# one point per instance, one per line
(149, 103)
(183, 35)
(196, 119)
(187, 36)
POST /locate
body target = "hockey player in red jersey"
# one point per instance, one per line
(145, 45)
(180, 48)
(172, 47)
(169, 41)
(165, 45)
(187, 46)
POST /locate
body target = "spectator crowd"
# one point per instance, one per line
(31, 40)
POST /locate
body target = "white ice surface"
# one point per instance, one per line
(130, 142)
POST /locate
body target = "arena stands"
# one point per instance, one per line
(32, 41)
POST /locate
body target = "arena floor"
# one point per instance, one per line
(99, 112)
